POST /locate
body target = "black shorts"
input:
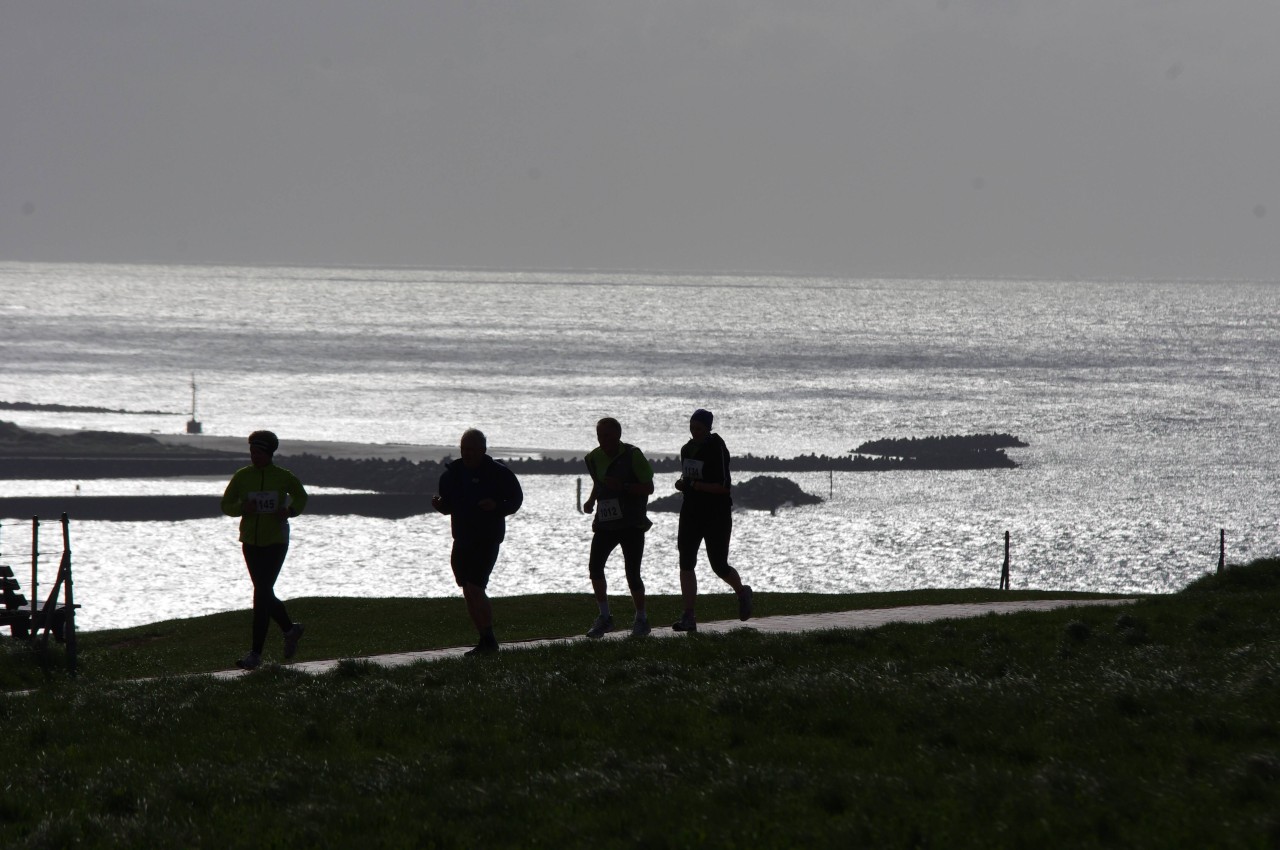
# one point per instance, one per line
(472, 561)
(604, 542)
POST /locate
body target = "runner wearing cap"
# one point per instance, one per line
(265, 497)
(706, 515)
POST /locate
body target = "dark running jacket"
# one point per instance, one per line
(707, 461)
(462, 489)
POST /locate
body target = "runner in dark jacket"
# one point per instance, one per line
(478, 494)
(706, 514)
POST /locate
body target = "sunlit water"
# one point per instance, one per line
(1151, 409)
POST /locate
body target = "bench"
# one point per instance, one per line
(15, 613)
(29, 619)
(15, 610)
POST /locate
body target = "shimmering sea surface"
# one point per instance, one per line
(1151, 409)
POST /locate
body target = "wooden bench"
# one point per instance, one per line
(15, 610)
(15, 613)
(32, 620)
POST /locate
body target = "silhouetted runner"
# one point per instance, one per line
(706, 514)
(478, 494)
(621, 483)
(265, 497)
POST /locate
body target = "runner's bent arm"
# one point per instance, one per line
(513, 495)
(299, 494)
(232, 498)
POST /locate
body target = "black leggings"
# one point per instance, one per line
(264, 563)
(715, 530)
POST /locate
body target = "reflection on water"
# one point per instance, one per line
(1152, 410)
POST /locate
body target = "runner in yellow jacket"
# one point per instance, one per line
(265, 497)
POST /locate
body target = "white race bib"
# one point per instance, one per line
(608, 509)
(267, 501)
(692, 469)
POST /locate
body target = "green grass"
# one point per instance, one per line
(1153, 724)
(339, 627)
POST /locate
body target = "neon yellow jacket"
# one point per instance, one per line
(269, 486)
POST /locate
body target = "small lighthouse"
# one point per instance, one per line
(193, 426)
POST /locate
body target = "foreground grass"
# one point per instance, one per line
(1154, 724)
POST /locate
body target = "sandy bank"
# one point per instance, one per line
(176, 508)
(340, 449)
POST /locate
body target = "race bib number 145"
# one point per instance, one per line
(266, 501)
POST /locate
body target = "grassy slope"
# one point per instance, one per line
(352, 627)
(1152, 725)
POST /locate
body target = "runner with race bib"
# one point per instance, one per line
(706, 515)
(265, 497)
(621, 483)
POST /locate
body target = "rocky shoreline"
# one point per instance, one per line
(29, 454)
(761, 493)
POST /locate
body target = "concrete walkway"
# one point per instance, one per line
(789, 623)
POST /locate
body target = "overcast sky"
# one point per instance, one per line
(1077, 138)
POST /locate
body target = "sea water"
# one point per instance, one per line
(1151, 409)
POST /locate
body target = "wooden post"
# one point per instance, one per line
(35, 557)
(1004, 572)
(69, 622)
(579, 502)
(831, 484)
(1222, 549)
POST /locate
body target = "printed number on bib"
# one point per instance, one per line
(266, 501)
(692, 469)
(609, 509)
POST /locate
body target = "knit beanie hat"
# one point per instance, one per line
(264, 440)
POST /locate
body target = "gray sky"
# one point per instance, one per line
(853, 137)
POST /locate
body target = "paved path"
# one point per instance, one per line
(869, 618)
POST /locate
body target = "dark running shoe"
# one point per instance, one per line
(483, 648)
(602, 626)
(686, 623)
(291, 639)
(251, 661)
(744, 603)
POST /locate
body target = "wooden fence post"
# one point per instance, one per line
(35, 557)
(1004, 573)
(69, 621)
(1222, 549)
(579, 502)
